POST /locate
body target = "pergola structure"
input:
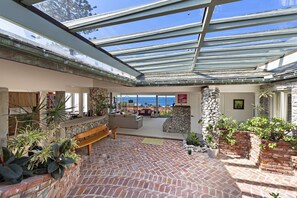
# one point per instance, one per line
(260, 56)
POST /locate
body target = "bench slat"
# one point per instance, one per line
(92, 139)
(90, 132)
(87, 138)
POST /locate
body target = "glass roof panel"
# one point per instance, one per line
(254, 29)
(151, 24)
(149, 43)
(245, 7)
(27, 36)
(62, 10)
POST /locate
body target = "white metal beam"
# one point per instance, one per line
(281, 62)
(31, 2)
(191, 44)
(183, 30)
(164, 66)
(167, 70)
(206, 21)
(188, 54)
(240, 56)
(211, 68)
(252, 59)
(219, 62)
(182, 60)
(18, 14)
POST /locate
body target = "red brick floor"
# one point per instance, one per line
(127, 168)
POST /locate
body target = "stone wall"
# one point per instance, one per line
(240, 149)
(43, 186)
(72, 130)
(95, 94)
(210, 105)
(180, 121)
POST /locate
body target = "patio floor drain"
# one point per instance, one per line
(152, 141)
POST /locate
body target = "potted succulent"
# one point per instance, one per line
(212, 139)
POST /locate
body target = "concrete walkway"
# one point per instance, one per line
(152, 127)
(128, 168)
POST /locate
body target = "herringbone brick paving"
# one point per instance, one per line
(128, 168)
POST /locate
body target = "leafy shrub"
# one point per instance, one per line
(229, 126)
(57, 161)
(274, 129)
(193, 139)
(211, 141)
(26, 139)
(13, 169)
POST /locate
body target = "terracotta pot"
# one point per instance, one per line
(101, 113)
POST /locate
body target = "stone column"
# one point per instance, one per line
(42, 112)
(72, 98)
(282, 103)
(257, 104)
(60, 96)
(4, 104)
(210, 107)
(294, 104)
(266, 103)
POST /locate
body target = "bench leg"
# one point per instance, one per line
(89, 149)
(114, 135)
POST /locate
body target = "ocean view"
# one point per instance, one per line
(163, 101)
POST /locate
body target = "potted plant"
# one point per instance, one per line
(226, 127)
(212, 141)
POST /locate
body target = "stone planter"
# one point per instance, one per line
(281, 159)
(213, 153)
(240, 149)
(42, 185)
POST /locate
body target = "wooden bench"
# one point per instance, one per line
(87, 138)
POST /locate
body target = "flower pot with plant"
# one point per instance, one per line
(212, 141)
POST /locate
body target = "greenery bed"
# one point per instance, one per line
(36, 149)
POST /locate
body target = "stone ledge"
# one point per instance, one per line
(42, 185)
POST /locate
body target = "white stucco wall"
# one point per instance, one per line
(21, 77)
(226, 106)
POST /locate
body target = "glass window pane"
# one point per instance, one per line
(85, 102)
(76, 102)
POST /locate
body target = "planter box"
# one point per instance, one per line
(281, 159)
(42, 185)
(240, 149)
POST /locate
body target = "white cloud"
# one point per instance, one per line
(288, 2)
